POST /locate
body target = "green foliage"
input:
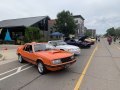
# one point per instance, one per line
(118, 32)
(88, 33)
(111, 31)
(65, 23)
(32, 34)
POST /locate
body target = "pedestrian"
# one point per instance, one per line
(119, 40)
(114, 39)
(98, 39)
(109, 39)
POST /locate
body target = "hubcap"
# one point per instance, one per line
(40, 67)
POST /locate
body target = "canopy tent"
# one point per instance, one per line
(7, 36)
(57, 34)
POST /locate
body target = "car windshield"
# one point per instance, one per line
(42, 47)
(61, 43)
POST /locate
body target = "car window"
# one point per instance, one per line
(72, 40)
(53, 43)
(40, 47)
(28, 48)
(48, 46)
(61, 43)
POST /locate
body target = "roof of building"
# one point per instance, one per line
(21, 21)
(78, 16)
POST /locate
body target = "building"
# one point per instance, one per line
(92, 31)
(16, 27)
(79, 20)
(52, 32)
(51, 28)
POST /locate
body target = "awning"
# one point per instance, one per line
(57, 34)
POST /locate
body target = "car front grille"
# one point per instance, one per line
(66, 59)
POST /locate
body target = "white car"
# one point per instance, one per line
(59, 44)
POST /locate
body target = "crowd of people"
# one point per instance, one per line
(110, 39)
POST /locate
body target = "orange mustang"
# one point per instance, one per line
(41, 55)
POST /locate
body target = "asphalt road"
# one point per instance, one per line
(96, 71)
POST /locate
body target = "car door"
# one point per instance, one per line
(28, 54)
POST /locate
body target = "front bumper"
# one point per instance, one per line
(77, 52)
(59, 66)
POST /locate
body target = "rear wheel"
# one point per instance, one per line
(41, 68)
(20, 59)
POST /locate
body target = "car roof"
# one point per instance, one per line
(33, 43)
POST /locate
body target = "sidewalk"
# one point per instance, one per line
(8, 52)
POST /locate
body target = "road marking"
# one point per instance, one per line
(117, 47)
(19, 69)
(13, 69)
(77, 86)
(15, 73)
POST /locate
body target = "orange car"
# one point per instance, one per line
(41, 55)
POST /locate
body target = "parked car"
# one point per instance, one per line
(59, 44)
(45, 58)
(85, 39)
(93, 39)
(90, 41)
(79, 43)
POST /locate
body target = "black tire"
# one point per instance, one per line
(41, 67)
(20, 59)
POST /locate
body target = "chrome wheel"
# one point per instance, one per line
(41, 68)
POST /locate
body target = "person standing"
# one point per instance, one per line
(114, 39)
(109, 39)
(98, 39)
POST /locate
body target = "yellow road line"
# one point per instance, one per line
(77, 86)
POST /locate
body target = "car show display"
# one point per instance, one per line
(44, 57)
(59, 44)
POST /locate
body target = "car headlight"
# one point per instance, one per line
(72, 57)
(58, 61)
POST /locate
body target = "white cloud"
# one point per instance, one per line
(98, 14)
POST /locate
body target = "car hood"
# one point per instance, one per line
(53, 54)
(67, 47)
(83, 38)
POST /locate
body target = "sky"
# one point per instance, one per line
(98, 14)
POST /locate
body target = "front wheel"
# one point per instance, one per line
(41, 68)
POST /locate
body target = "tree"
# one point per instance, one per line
(88, 33)
(118, 32)
(111, 31)
(32, 34)
(65, 23)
